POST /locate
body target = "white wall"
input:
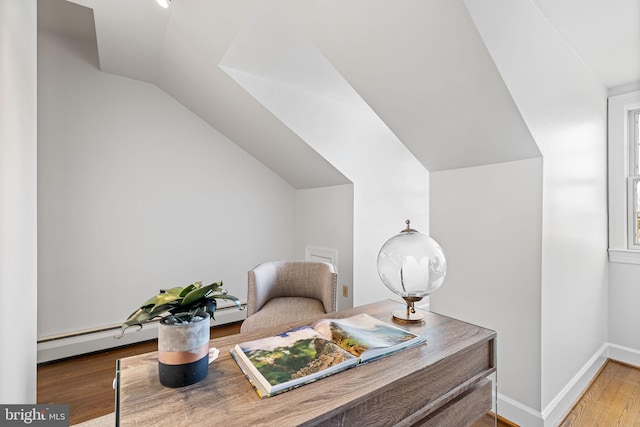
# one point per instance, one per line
(624, 316)
(488, 221)
(324, 219)
(136, 193)
(564, 106)
(18, 250)
(296, 83)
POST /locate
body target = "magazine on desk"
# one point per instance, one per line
(305, 354)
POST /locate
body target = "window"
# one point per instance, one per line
(633, 196)
(624, 178)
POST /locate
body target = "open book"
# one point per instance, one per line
(308, 353)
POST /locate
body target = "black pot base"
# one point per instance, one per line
(183, 375)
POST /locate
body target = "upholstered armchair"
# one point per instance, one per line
(285, 291)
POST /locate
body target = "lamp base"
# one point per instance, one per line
(408, 316)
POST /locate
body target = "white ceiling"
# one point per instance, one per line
(604, 33)
(419, 64)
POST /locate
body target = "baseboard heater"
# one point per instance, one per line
(62, 346)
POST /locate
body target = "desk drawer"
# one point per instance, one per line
(464, 410)
(419, 396)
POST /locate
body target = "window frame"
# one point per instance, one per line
(632, 206)
(633, 180)
(622, 169)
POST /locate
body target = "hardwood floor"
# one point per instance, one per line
(85, 383)
(489, 420)
(612, 399)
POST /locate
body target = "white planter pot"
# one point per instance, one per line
(183, 352)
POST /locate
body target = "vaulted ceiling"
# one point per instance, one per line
(420, 65)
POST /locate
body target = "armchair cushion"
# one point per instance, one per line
(282, 310)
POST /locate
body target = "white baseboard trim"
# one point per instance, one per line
(626, 355)
(518, 413)
(61, 348)
(523, 415)
(564, 400)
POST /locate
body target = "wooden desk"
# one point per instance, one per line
(440, 383)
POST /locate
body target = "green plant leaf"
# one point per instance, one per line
(189, 288)
(189, 299)
(236, 300)
(175, 291)
(142, 315)
(159, 300)
(198, 293)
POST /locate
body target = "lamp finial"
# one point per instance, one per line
(408, 229)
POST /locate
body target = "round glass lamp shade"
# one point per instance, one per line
(412, 265)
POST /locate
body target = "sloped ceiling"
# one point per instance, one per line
(419, 64)
(604, 33)
(424, 70)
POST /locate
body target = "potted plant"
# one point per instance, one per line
(183, 329)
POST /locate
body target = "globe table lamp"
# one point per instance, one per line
(412, 265)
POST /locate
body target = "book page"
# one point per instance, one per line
(297, 356)
(366, 337)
